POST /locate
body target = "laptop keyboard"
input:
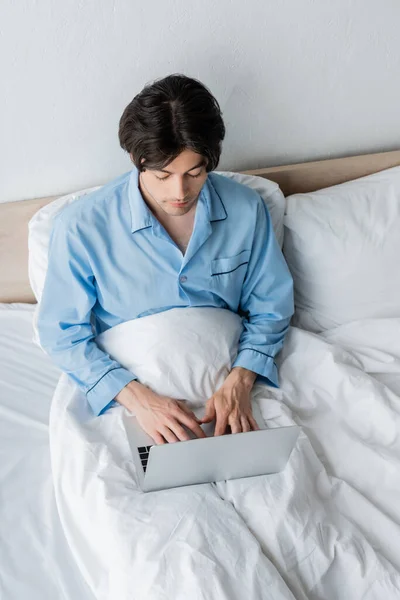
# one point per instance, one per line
(144, 455)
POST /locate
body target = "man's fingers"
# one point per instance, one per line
(245, 424)
(220, 426)
(235, 424)
(178, 430)
(191, 423)
(210, 412)
(253, 423)
(169, 435)
(158, 438)
(174, 432)
(183, 406)
(195, 427)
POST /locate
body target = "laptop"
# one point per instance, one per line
(204, 460)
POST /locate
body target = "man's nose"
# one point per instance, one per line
(180, 189)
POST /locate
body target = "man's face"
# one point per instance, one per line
(175, 189)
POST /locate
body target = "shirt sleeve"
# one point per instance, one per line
(64, 321)
(266, 300)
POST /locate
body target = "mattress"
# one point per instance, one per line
(36, 562)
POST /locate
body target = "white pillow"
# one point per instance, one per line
(40, 225)
(270, 192)
(39, 229)
(342, 245)
(183, 353)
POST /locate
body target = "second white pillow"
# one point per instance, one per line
(342, 245)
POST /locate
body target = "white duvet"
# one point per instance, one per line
(326, 528)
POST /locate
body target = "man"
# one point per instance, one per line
(168, 234)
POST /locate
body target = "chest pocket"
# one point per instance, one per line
(227, 275)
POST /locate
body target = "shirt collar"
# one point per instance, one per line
(142, 217)
(215, 206)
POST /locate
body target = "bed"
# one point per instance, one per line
(36, 562)
(348, 457)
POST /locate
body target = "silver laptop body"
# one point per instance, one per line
(203, 460)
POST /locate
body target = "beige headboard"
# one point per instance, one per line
(302, 177)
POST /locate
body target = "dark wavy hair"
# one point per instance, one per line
(171, 115)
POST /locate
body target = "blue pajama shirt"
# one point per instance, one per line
(110, 260)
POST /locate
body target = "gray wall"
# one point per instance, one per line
(296, 79)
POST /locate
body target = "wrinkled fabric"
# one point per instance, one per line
(327, 526)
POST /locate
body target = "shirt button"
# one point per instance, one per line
(183, 279)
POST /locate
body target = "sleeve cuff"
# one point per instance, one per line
(259, 363)
(101, 395)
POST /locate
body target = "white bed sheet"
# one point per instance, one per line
(328, 526)
(35, 560)
(325, 528)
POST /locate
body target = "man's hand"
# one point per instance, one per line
(160, 417)
(231, 404)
